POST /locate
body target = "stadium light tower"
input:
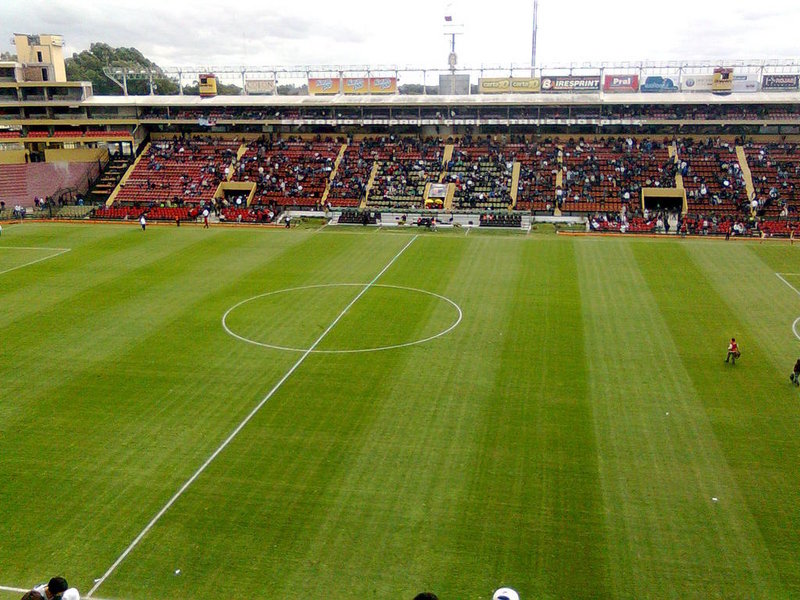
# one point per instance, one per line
(452, 29)
(535, 31)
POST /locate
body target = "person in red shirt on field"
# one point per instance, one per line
(733, 352)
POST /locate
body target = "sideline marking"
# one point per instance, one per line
(33, 262)
(239, 427)
(355, 350)
(796, 291)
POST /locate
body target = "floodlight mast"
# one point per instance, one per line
(452, 29)
(535, 31)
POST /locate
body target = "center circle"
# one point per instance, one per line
(245, 319)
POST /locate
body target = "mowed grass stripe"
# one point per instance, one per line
(101, 255)
(667, 537)
(755, 409)
(351, 253)
(337, 466)
(263, 493)
(117, 405)
(531, 518)
(134, 441)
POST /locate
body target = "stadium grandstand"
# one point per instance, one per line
(622, 150)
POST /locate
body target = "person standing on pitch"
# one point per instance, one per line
(143, 222)
(795, 376)
(733, 352)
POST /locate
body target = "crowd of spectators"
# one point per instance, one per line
(481, 170)
(658, 112)
(775, 168)
(288, 171)
(712, 176)
(183, 169)
(613, 170)
(406, 165)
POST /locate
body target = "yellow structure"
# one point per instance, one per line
(208, 85)
(42, 57)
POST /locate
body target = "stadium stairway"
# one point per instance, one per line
(370, 183)
(447, 156)
(332, 177)
(559, 180)
(746, 173)
(108, 180)
(673, 152)
(514, 191)
(127, 174)
(13, 185)
(448, 199)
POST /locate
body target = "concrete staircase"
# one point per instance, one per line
(14, 185)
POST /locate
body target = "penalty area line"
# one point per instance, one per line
(240, 426)
(796, 291)
(779, 276)
(33, 262)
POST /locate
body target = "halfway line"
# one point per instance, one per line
(239, 427)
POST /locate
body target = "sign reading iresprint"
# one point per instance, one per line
(572, 83)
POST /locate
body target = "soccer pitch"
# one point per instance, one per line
(350, 413)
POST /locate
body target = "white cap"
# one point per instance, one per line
(505, 593)
(71, 594)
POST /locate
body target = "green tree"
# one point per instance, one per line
(88, 66)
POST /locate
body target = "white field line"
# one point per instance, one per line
(779, 276)
(796, 291)
(33, 262)
(455, 324)
(16, 590)
(239, 427)
(5, 588)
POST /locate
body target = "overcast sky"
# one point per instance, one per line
(410, 32)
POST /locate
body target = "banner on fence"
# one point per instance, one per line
(621, 83)
(781, 83)
(571, 83)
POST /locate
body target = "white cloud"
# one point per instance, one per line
(205, 32)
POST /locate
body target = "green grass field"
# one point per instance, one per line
(566, 438)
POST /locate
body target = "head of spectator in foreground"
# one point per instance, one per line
(32, 595)
(426, 596)
(505, 593)
(55, 587)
